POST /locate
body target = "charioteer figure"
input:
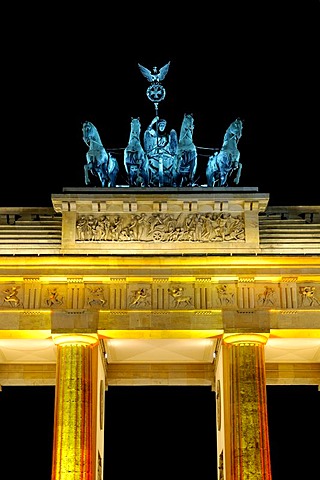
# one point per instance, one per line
(161, 148)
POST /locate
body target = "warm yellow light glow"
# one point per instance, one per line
(160, 334)
(25, 334)
(11, 279)
(246, 338)
(295, 333)
(86, 265)
(71, 339)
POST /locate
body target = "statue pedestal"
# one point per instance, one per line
(160, 221)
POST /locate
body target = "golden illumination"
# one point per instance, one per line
(246, 338)
(159, 334)
(25, 334)
(72, 339)
(295, 333)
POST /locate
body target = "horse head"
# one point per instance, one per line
(90, 133)
(135, 127)
(235, 129)
(187, 127)
(87, 128)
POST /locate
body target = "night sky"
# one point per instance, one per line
(255, 60)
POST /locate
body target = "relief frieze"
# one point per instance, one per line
(179, 297)
(11, 297)
(160, 295)
(53, 297)
(96, 297)
(267, 298)
(308, 297)
(143, 227)
(140, 298)
(225, 295)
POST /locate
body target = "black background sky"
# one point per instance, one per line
(160, 432)
(257, 61)
(62, 66)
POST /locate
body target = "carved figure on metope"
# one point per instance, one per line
(140, 297)
(267, 297)
(54, 298)
(224, 167)
(308, 297)
(225, 296)
(178, 297)
(101, 164)
(96, 297)
(11, 297)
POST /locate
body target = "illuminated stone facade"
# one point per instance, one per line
(226, 288)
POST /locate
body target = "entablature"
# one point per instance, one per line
(166, 220)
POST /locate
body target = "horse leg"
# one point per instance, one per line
(86, 175)
(113, 177)
(102, 178)
(223, 180)
(145, 177)
(237, 179)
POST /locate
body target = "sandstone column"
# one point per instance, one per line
(243, 434)
(78, 434)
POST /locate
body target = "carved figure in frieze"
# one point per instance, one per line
(101, 228)
(11, 297)
(91, 228)
(140, 297)
(144, 227)
(96, 297)
(116, 228)
(267, 297)
(308, 298)
(54, 298)
(225, 296)
(178, 297)
(81, 227)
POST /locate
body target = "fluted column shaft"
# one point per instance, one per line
(246, 409)
(73, 445)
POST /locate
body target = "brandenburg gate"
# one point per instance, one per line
(160, 286)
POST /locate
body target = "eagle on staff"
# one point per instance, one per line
(155, 91)
(155, 76)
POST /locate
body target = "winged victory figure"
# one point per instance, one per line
(155, 76)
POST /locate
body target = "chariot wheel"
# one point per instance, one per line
(157, 236)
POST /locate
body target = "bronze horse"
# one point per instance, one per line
(224, 165)
(100, 163)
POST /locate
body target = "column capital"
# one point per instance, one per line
(75, 339)
(246, 338)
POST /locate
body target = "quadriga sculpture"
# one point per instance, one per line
(186, 156)
(100, 163)
(224, 166)
(136, 161)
